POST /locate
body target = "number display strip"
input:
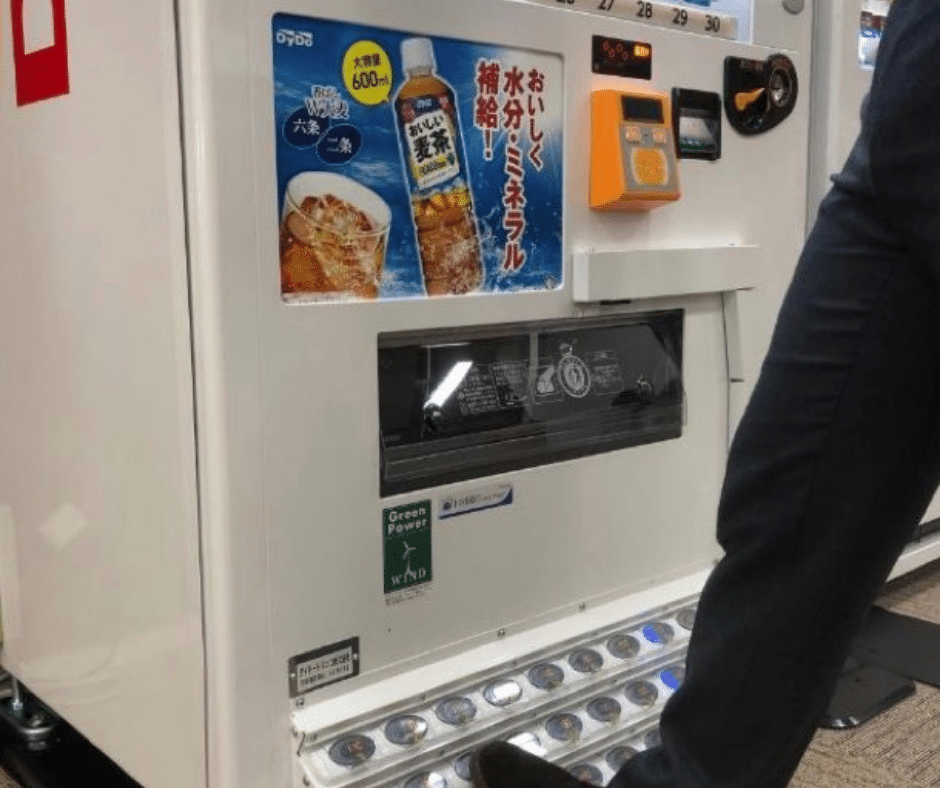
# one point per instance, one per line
(692, 20)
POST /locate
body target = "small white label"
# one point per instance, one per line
(408, 595)
(475, 500)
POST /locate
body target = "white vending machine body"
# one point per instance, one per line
(219, 560)
(100, 580)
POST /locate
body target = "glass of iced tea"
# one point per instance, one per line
(334, 232)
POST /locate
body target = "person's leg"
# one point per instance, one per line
(837, 456)
(830, 471)
(832, 466)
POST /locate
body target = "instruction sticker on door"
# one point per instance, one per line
(406, 535)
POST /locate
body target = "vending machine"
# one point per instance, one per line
(847, 35)
(368, 368)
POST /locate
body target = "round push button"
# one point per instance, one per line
(502, 692)
(618, 756)
(623, 646)
(686, 617)
(642, 693)
(659, 633)
(352, 750)
(564, 727)
(604, 709)
(456, 710)
(546, 676)
(587, 773)
(586, 660)
(405, 730)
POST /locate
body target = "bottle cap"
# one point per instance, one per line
(417, 53)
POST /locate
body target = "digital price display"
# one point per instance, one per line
(618, 58)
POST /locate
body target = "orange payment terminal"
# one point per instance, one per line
(633, 152)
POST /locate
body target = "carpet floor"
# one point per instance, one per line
(897, 749)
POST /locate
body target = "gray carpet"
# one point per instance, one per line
(899, 749)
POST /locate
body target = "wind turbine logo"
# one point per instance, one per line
(409, 572)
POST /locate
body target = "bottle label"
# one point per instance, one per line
(432, 141)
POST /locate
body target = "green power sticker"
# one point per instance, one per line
(406, 535)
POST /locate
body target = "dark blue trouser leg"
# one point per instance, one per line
(834, 463)
(837, 455)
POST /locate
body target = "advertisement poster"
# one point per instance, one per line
(412, 166)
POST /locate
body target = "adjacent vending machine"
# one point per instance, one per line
(368, 368)
(847, 35)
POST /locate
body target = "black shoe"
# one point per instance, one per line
(500, 765)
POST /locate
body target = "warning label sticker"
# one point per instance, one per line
(323, 666)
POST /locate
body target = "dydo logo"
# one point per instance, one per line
(40, 50)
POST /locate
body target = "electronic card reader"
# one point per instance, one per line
(633, 154)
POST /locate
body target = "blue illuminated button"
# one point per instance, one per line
(405, 730)
(564, 727)
(658, 633)
(686, 617)
(603, 709)
(641, 693)
(586, 660)
(502, 692)
(352, 750)
(546, 676)
(427, 780)
(673, 677)
(456, 710)
(587, 773)
(623, 646)
(618, 756)
(462, 766)
(652, 738)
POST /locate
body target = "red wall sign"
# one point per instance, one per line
(44, 73)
